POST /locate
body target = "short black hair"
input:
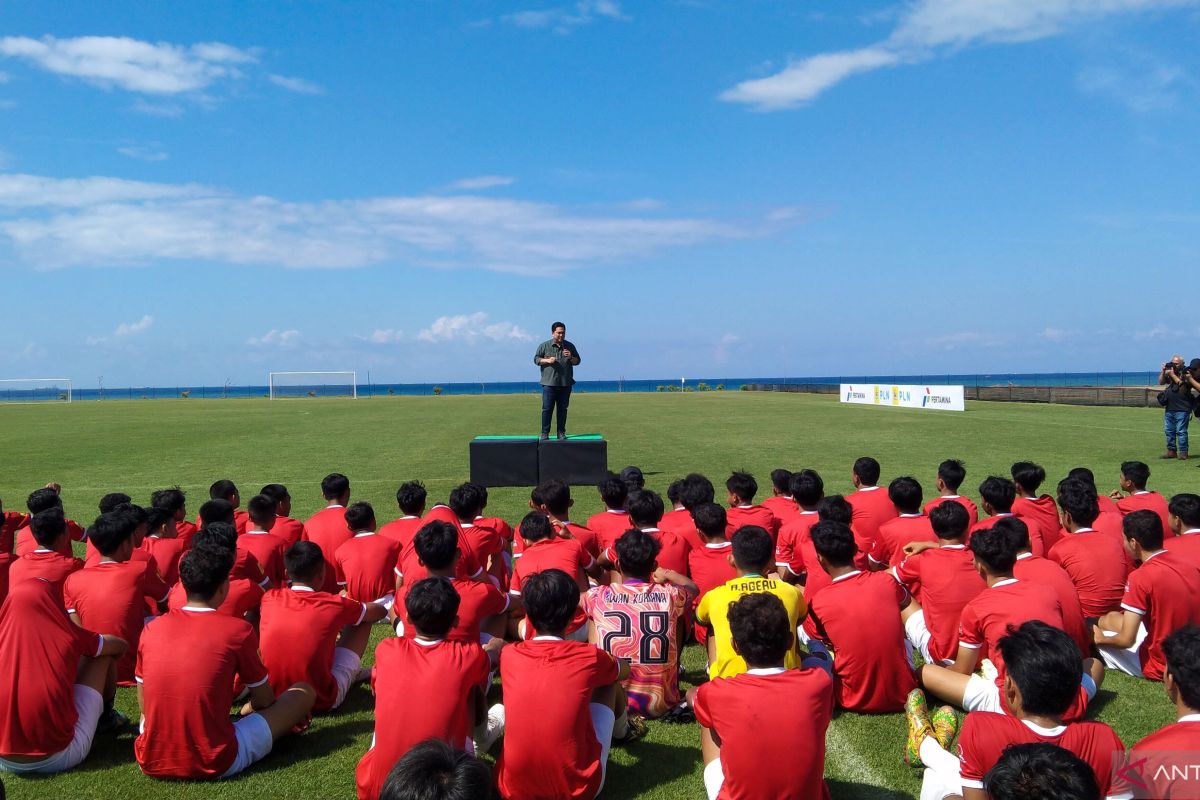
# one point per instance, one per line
(905, 494)
(806, 487)
(1144, 527)
(781, 479)
(710, 519)
(156, 518)
(673, 490)
(1182, 651)
(304, 561)
(47, 526)
(277, 492)
(950, 520)
(761, 629)
(696, 491)
(835, 508)
(634, 480)
(222, 490)
(953, 473)
(334, 485)
(535, 526)
(110, 531)
(136, 512)
(1083, 474)
(170, 500)
(556, 325)
(1079, 500)
(113, 499)
(743, 485)
(999, 493)
(360, 516)
(1136, 473)
(645, 509)
(466, 500)
(1044, 663)
(753, 549)
(834, 541)
(215, 511)
(996, 548)
(41, 499)
(556, 496)
(432, 604)
(1039, 770)
(637, 552)
(217, 534)
(867, 469)
(613, 491)
(1028, 475)
(1015, 528)
(411, 497)
(203, 569)
(436, 543)
(551, 598)
(1186, 506)
(261, 509)
(433, 770)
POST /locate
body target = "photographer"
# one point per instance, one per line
(1177, 403)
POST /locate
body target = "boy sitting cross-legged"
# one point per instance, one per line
(366, 564)
(260, 542)
(187, 662)
(741, 760)
(312, 636)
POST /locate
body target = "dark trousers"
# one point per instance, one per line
(553, 396)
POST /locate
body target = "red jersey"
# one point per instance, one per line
(498, 525)
(425, 686)
(586, 537)
(185, 530)
(552, 553)
(791, 533)
(1147, 501)
(40, 650)
(872, 507)
(709, 567)
(1165, 756)
(1036, 539)
(245, 565)
(1165, 592)
(795, 706)
(243, 598)
(784, 508)
(986, 735)
(679, 522)
(288, 529)
(672, 556)
(858, 616)
(1044, 571)
(478, 600)
(805, 563)
(1040, 510)
(965, 502)
(27, 544)
(299, 630)
(402, 530)
(485, 542)
(1186, 545)
(48, 565)
(895, 533)
(943, 580)
(1097, 568)
(986, 619)
(166, 554)
(111, 598)
(6, 562)
(366, 567)
(550, 748)
(186, 664)
(328, 530)
(92, 556)
(9, 523)
(608, 526)
(739, 516)
(267, 549)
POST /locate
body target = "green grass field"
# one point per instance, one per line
(136, 447)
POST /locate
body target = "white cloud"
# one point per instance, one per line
(563, 19)
(53, 223)
(471, 328)
(1057, 334)
(133, 328)
(954, 341)
(725, 347)
(164, 110)
(483, 182)
(275, 338)
(927, 29)
(144, 152)
(298, 85)
(384, 336)
(158, 68)
(1143, 84)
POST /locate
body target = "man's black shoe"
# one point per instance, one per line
(562, 436)
(544, 437)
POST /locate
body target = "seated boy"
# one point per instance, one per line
(1133, 495)
(1162, 596)
(1169, 749)
(645, 511)
(544, 550)
(781, 503)
(243, 596)
(553, 498)
(366, 564)
(285, 528)
(709, 565)
(489, 547)
(327, 528)
(1038, 770)
(950, 476)
(245, 565)
(314, 637)
(432, 688)
(434, 770)
(227, 491)
(871, 504)
(753, 554)
(695, 490)
(260, 542)
(741, 488)
(186, 666)
(1038, 569)
(613, 520)
(909, 525)
(563, 703)
(46, 561)
(163, 544)
(741, 759)
(48, 719)
(411, 498)
(174, 502)
(807, 489)
(1029, 505)
(1095, 562)
(43, 500)
(639, 618)
(1184, 517)
(997, 496)
(857, 617)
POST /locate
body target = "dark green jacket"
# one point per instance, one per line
(562, 371)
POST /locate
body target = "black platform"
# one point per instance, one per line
(526, 461)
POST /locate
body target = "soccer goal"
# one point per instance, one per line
(36, 390)
(312, 384)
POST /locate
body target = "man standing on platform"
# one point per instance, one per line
(557, 357)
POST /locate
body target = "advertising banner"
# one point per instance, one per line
(939, 398)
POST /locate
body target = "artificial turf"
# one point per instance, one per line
(137, 446)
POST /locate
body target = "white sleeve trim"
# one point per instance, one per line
(970, 646)
(514, 592)
(362, 614)
(968, 784)
(138, 679)
(399, 574)
(259, 683)
(1139, 611)
(476, 573)
(99, 646)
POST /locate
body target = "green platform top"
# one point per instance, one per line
(571, 437)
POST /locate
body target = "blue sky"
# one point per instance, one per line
(190, 194)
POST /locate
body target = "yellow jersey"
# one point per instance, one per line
(714, 610)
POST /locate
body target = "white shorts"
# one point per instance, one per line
(918, 635)
(714, 777)
(982, 694)
(254, 742)
(1125, 659)
(603, 721)
(89, 705)
(346, 664)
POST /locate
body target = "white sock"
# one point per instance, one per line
(934, 756)
(621, 726)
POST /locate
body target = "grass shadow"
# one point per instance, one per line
(653, 764)
(864, 791)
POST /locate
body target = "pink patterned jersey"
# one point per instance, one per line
(640, 621)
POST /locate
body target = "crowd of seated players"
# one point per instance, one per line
(878, 601)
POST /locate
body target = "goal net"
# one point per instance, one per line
(312, 384)
(35, 390)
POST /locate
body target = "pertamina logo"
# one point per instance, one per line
(852, 394)
(931, 399)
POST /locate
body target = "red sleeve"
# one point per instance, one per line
(338, 570)
(353, 612)
(900, 591)
(607, 669)
(970, 633)
(514, 585)
(481, 667)
(153, 586)
(250, 667)
(879, 553)
(495, 602)
(783, 548)
(251, 600)
(972, 764)
(701, 705)
(581, 556)
(70, 601)
(89, 643)
(908, 572)
(75, 531)
(1137, 594)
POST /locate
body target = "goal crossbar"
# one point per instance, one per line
(351, 383)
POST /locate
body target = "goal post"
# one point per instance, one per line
(312, 384)
(36, 390)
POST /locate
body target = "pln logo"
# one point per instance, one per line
(931, 399)
(901, 396)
